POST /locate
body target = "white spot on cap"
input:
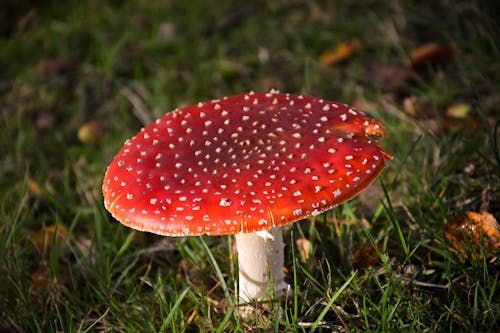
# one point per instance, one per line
(262, 222)
(225, 202)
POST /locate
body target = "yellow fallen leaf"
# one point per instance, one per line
(34, 187)
(91, 132)
(340, 53)
(458, 110)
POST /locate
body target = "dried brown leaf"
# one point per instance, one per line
(45, 121)
(49, 67)
(365, 257)
(418, 107)
(304, 248)
(26, 20)
(40, 280)
(316, 14)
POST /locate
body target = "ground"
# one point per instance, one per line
(81, 77)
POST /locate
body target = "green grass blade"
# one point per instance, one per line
(175, 308)
(330, 302)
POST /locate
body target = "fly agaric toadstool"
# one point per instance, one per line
(244, 165)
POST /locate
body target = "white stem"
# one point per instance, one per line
(261, 258)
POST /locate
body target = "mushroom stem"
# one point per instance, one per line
(261, 262)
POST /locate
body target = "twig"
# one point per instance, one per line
(139, 108)
(322, 324)
(420, 283)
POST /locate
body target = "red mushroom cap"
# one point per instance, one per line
(242, 163)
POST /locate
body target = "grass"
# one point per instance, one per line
(63, 66)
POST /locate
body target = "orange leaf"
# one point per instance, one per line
(430, 53)
(44, 238)
(340, 53)
(192, 316)
(474, 229)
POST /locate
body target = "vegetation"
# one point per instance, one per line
(79, 78)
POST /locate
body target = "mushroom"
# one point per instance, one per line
(244, 165)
